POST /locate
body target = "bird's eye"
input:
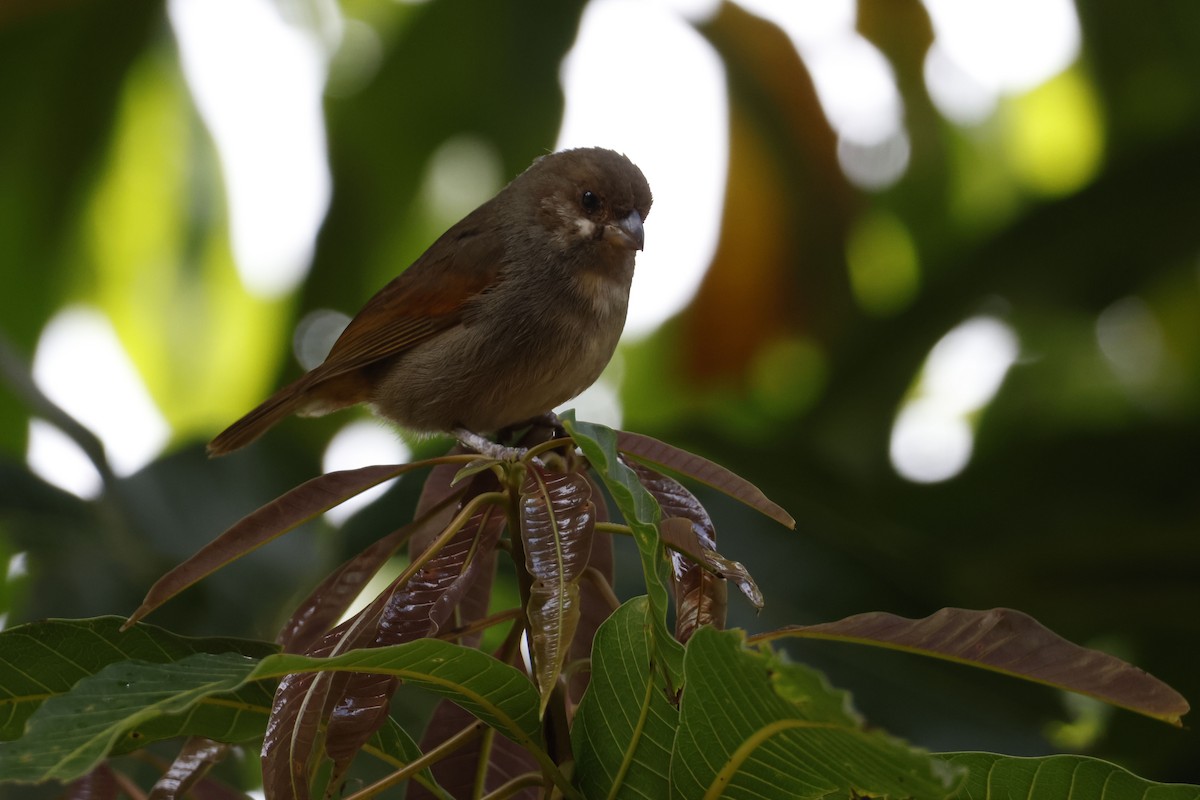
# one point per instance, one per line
(591, 203)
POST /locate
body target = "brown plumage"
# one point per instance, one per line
(514, 310)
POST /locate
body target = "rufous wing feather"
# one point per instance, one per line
(426, 299)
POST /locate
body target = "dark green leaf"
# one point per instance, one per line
(754, 725)
(642, 514)
(991, 776)
(624, 729)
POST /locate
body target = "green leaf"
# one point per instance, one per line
(43, 660)
(992, 777)
(1012, 643)
(642, 514)
(71, 733)
(624, 729)
(753, 725)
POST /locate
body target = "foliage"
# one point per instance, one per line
(689, 712)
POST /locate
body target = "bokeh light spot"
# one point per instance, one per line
(883, 263)
(361, 444)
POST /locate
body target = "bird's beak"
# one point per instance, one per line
(627, 232)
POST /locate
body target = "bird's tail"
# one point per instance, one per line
(283, 403)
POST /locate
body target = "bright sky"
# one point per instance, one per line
(258, 80)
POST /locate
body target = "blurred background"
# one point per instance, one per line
(928, 272)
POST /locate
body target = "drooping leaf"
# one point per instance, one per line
(641, 512)
(1068, 777)
(488, 762)
(46, 659)
(625, 725)
(281, 515)
(70, 733)
(660, 454)
(753, 724)
(701, 597)
(557, 524)
(1012, 643)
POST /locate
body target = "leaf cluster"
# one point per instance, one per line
(648, 699)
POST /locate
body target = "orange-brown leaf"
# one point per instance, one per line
(660, 454)
(1010, 642)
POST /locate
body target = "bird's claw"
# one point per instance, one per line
(485, 446)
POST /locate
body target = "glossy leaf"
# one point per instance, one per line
(752, 724)
(660, 454)
(330, 600)
(558, 520)
(1012, 643)
(990, 776)
(624, 728)
(700, 595)
(355, 706)
(641, 513)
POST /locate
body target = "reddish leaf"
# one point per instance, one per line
(195, 759)
(701, 597)
(281, 515)
(595, 604)
(303, 701)
(699, 576)
(291, 734)
(329, 601)
(502, 758)
(414, 610)
(558, 520)
(99, 784)
(661, 454)
(1010, 642)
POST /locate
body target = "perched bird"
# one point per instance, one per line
(514, 310)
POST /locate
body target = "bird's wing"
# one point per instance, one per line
(427, 298)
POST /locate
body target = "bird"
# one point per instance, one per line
(514, 310)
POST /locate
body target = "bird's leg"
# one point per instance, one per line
(485, 446)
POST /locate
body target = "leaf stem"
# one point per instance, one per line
(455, 742)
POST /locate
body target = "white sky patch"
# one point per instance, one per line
(660, 98)
(80, 365)
(987, 48)
(257, 81)
(854, 81)
(361, 444)
(933, 435)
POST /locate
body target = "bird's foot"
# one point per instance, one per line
(485, 446)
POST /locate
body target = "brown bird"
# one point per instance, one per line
(514, 310)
